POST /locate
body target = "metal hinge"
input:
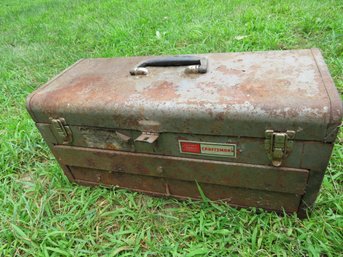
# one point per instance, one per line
(278, 145)
(61, 131)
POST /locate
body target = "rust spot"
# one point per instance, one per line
(111, 147)
(288, 113)
(129, 121)
(282, 82)
(196, 102)
(149, 125)
(77, 86)
(208, 88)
(161, 91)
(209, 111)
(255, 89)
(84, 89)
(90, 162)
(228, 71)
(220, 116)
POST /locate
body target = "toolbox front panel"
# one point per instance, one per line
(314, 157)
(247, 150)
(305, 154)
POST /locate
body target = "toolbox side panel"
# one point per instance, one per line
(50, 140)
(312, 190)
(316, 155)
(336, 107)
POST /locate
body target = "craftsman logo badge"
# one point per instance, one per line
(208, 148)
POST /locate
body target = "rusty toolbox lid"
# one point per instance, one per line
(241, 94)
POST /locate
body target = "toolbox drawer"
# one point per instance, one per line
(240, 184)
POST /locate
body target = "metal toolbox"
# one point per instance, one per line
(252, 129)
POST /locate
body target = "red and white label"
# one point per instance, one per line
(207, 148)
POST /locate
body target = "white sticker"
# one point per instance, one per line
(207, 148)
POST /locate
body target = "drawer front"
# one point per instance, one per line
(239, 184)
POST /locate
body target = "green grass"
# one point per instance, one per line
(42, 214)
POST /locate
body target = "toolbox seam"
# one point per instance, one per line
(171, 132)
(325, 86)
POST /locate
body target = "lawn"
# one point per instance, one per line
(43, 214)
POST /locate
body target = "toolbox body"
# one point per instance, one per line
(252, 129)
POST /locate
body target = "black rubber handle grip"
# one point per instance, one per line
(201, 63)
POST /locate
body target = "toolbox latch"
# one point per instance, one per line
(61, 131)
(148, 137)
(278, 145)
